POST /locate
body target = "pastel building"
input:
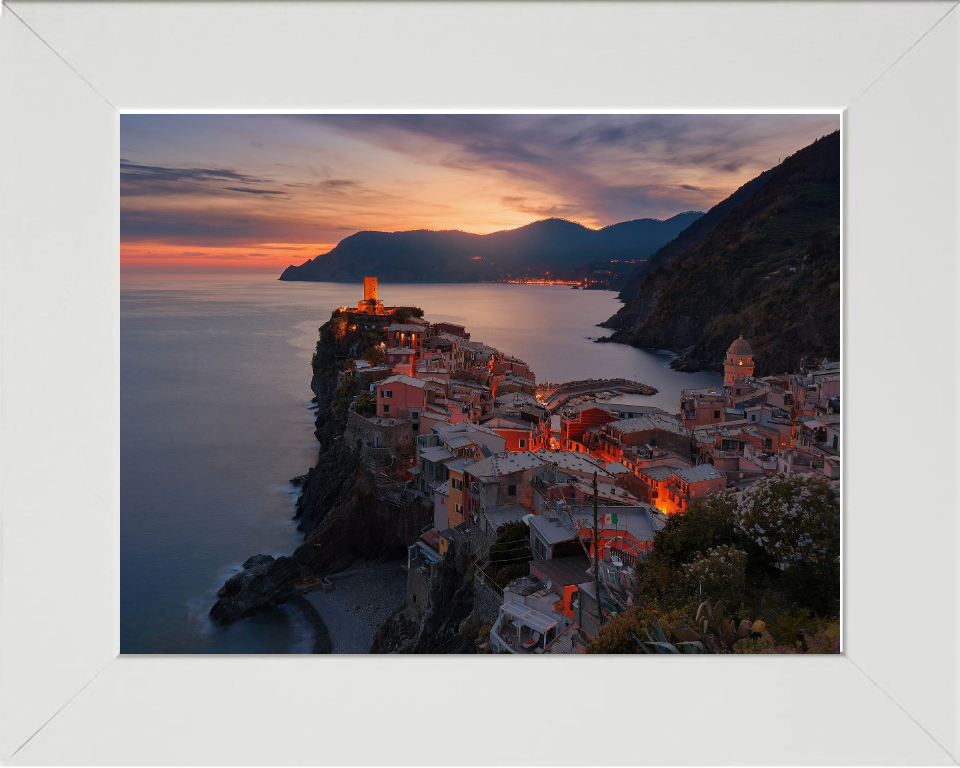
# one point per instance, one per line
(401, 397)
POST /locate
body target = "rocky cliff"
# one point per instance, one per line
(689, 237)
(348, 507)
(769, 269)
(445, 625)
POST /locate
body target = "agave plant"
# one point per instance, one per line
(716, 637)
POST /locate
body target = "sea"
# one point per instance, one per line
(216, 418)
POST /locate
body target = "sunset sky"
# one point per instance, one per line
(260, 192)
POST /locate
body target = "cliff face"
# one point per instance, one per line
(770, 269)
(443, 627)
(348, 507)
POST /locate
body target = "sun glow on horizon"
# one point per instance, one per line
(262, 192)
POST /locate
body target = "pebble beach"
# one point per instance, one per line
(351, 614)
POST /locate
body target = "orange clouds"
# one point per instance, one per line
(147, 256)
(261, 192)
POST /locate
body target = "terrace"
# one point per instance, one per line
(520, 629)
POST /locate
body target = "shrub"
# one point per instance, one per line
(510, 572)
(706, 523)
(720, 573)
(364, 405)
(795, 519)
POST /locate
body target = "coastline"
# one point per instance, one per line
(359, 604)
(321, 635)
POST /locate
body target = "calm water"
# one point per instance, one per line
(215, 420)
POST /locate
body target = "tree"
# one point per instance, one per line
(375, 355)
(705, 523)
(365, 405)
(795, 519)
(510, 555)
(402, 314)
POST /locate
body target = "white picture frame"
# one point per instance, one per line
(68, 69)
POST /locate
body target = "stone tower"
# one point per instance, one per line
(370, 289)
(738, 363)
(370, 304)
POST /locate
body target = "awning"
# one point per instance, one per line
(534, 619)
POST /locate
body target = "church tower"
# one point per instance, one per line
(738, 363)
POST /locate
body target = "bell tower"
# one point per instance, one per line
(738, 363)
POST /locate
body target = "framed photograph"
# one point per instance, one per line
(301, 311)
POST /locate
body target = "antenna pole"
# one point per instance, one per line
(596, 552)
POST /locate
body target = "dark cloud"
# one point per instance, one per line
(330, 186)
(599, 169)
(251, 191)
(339, 184)
(587, 161)
(524, 205)
(138, 180)
(611, 135)
(188, 226)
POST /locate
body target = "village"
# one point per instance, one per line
(556, 492)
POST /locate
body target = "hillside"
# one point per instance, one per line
(550, 245)
(770, 269)
(689, 237)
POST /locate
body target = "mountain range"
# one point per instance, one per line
(767, 267)
(549, 246)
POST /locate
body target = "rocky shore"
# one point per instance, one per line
(359, 604)
(342, 511)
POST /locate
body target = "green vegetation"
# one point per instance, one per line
(510, 555)
(769, 553)
(365, 404)
(402, 314)
(770, 269)
(337, 351)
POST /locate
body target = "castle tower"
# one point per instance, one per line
(369, 289)
(370, 304)
(738, 363)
